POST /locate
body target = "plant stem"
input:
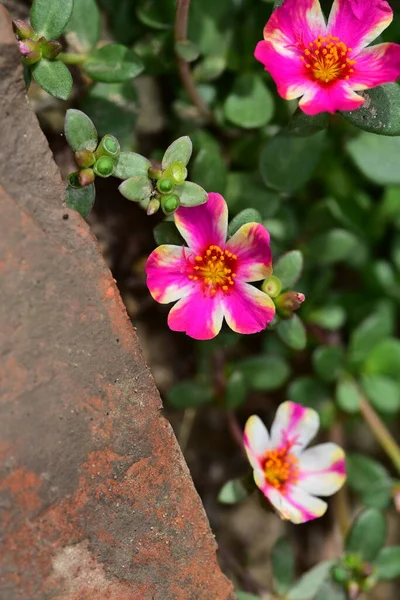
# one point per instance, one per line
(181, 26)
(186, 427)
(71, 58)
(381, 432)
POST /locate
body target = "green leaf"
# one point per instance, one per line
(208, 168)
(310, 583)
(387, 563)
(49, 18)
(80, 131)
(189, 394)
(167, 233)
(250, 104)
(264, 372)
(293, 333)
(331, 591)
(383, 393)
(191, 194)
(236, 391)
(187, 50)
(248, 215)
(136, 188)
(328, 362)
(368, 334)
(232, 492)
(287, 162)
(289, 268)
(370, 479)
(282, 565)
(131, 164)
(81, 199)
(328, 317)
(179, 151)
(83, 29)
(113, 63)
(367, 534)
(304, 125)
(377, 157)
(380, 111)
(242, 186)
(54, 77)
(332, 246)
(348, 395)
(384, 359)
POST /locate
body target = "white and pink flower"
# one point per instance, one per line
(287, 474)
(327, 64)
(210, 278)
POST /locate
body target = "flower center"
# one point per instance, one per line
(215, 268)
(280, 466)
(326, 59)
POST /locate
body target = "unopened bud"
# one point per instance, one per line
(177, 172)
(84, 158)
(73, 180)
(30, 51)
(353, 590)
(272, 286)
(50, 49)
(86, 177)
(153, 206)
(109, 146)
(155, 173)
(289, 302)
(165, 185)
(104, 166)
(23, 29)
(169, 204)
(340, 574)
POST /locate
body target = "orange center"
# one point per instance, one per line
(326, 59)
(280, 466)
(215, 268)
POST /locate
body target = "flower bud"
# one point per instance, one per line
(272, 286)
(155, 173)
(86, 177)
(104, 166)
(177, 171)
(153, 206)
(73, 180)
(288, 302)
(340, 574)
(109, 146)
(353, 590)
(84, 158)
(50, 49)
(23, 29)
(165, 185)
(169, 204)
(30, 51)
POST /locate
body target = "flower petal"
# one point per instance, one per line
(294, 423)
(322, 469)
(204, 225)
(247, 309)
(286, 70)
(255, 440)
(167, 279)
(338, 96)
(198, 315)
(359, 22)
(254, 257)
(375, 66)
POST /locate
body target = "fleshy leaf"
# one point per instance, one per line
(248, 215)
(83, 29)
(136, 188)
(232, 492)
(54, 77)
(191, 194)
(367, 534)
(348, 395)
(167, 233)
(189, 394)
(289, 268)
(81, 199)
(250, 104)
(80, 131)
(187, 50)
(236, 391)
(293, 333)
(380, 111)
(49, 18)
(309, 584)
(282, 558)
(304, 125)
(179, 151)
(113, 63)
(387, 563)
(131, 164)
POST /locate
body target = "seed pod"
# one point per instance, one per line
(169, 204)
(109, 146)
(104, 166)
(165, 185)
(272, 286)
(177, 172)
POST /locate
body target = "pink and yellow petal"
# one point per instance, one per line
(294, 424)
(375, 66)
(247, 309)
(322, 469)
(338, 96)
(359, 22)
(198, 315)
(296, 505)
(204, 225)
(251, 246)
(255, 440)
(167, 277)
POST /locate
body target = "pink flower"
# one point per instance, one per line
(287, 474)
(327, 63)
(209, 279)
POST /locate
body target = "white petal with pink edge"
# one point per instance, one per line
(295, 424)
(296, 505)
(256, 440)
(322, 469)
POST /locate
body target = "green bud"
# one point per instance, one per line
(165, 185)
(23, 29)
(288, 302)
(86, 177)
(153, 206)
(84, 158)
(104, 166)
(73, 180)
(109, 146)
(340, 574)
(177, 171)
(169, 204)
(272, 286)
(50, 49)
(354, 562)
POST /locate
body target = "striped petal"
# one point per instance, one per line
(198, 315)
(338, 96)
(204, 225)
(254, 258)
(322, 469)
(247, 309)
(375, 66)
(294, 424)
(167, 278)
(359, 22)
(255, 440)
